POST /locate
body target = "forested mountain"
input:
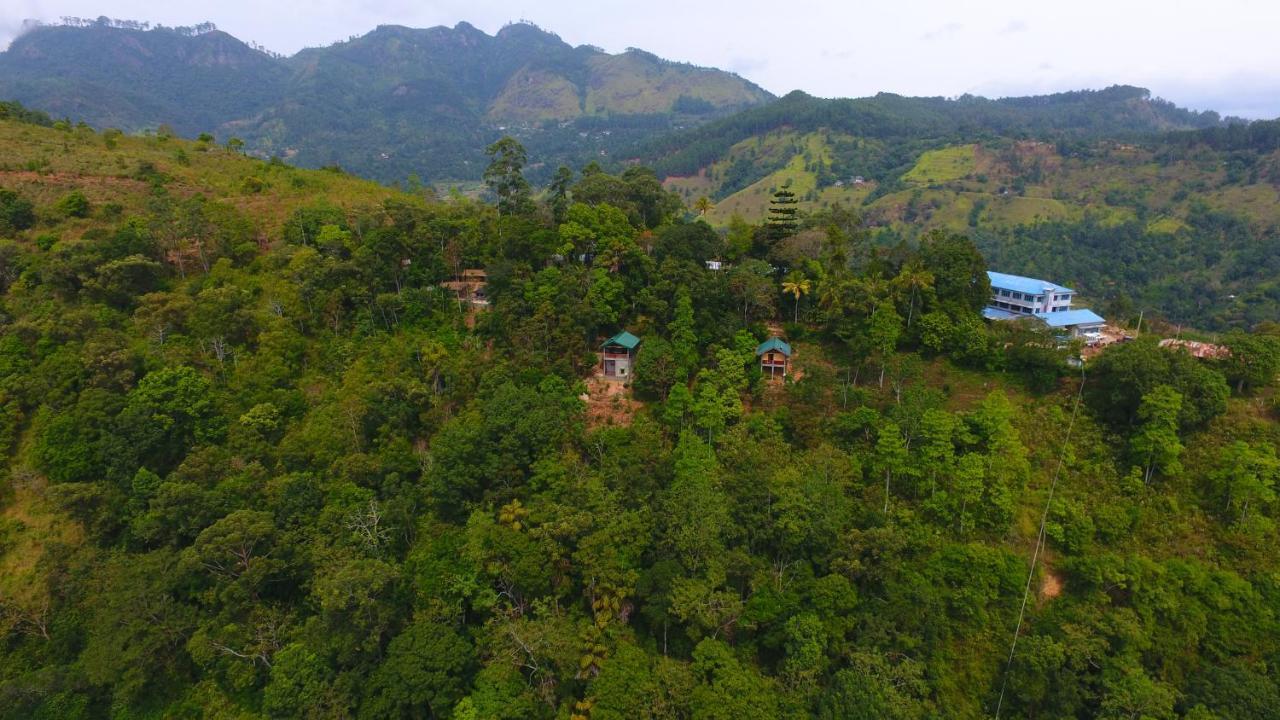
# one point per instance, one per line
(903, 122)
(260, 461)
(390, 104)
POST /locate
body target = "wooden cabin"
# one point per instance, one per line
(469, 286)
(775, 357)
(618, 355)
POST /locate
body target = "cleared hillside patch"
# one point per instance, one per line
(944, 165)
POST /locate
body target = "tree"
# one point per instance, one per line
(913, 279)
(657, 369)
(424, 674)
(1253, 361)
(886, 327)
(233, 547)
(751, 283)
(505, 176)
(959, 271)
(796, 285)
(558, 191)
(1244, 476)
(169, 411)
(73, 205)
(783, 213)
(702, 205)
(727, 690)
(235, 144)
(636, 685)
(301, 686)
(695, 510)
(694, 242)
(16, 212)
(1125, 372)
(684, 342)
(1155, 444)
(890, 455)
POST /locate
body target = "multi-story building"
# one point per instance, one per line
(1015, 296)
(1028, 296)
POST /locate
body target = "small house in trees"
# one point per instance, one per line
(469, 286)
(617, 355)
(775, 357)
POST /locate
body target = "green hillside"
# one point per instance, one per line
(257, 460)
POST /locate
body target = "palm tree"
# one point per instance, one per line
(796, 285)
(702, 205)
(913, 279)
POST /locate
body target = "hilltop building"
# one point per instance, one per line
(1015, 296)
(617, 355)
(775, 357)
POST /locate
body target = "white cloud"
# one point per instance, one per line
(1179, 49)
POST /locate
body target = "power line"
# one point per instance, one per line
(1035, 555)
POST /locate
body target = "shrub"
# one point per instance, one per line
(16, 212)
(73, 204)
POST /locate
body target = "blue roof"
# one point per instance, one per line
(624, 338)
(995, 313)
(774, 343)
(1018, 283)
(1068, 318)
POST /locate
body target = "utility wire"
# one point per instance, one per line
(1035, 555)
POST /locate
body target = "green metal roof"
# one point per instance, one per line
(774, 343)
(624, 338)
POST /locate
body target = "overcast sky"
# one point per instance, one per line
(1222, 55)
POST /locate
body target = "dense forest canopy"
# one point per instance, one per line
(263, 459)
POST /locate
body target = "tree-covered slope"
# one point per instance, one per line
(135, 79)
(257, 461)
(1115, 112)
(392, 103)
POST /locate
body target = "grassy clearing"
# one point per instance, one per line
(944, 165)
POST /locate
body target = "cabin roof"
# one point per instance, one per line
(774, 343)
(624, 338)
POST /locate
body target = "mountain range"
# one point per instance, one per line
(398, 102)
(389, 104)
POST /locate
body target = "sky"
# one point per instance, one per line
(1220, 56)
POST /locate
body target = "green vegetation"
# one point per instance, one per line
(260, 462)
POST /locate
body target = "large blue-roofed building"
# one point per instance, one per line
(1015, 296)
(1028, 296)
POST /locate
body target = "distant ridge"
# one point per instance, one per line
(393, 102)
